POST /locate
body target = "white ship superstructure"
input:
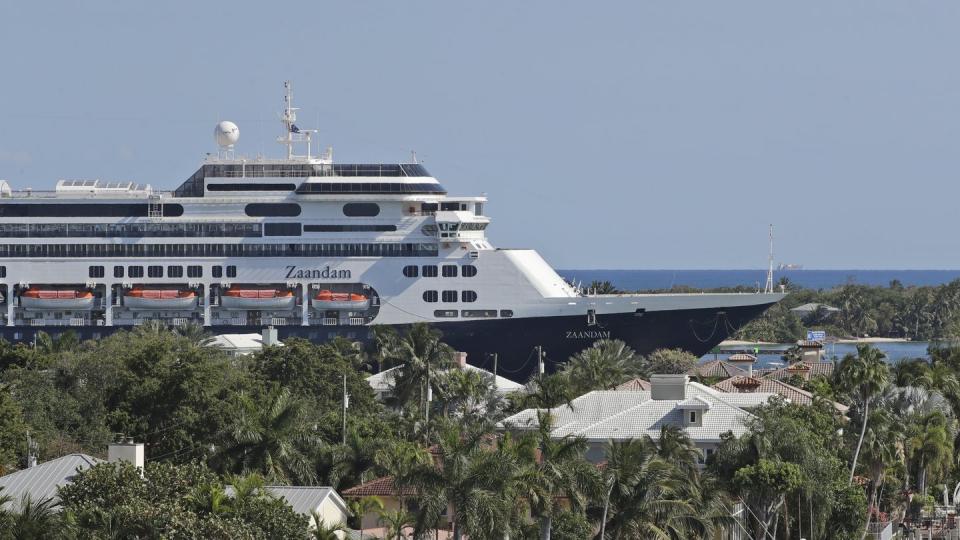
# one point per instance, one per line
(316, 249)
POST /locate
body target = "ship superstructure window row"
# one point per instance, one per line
(251, 187)
(392, 249)
(63, 210)
(349, 228)
(449, 270)
(372, 188)
(130, 230)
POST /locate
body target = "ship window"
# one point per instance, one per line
(135, 271)
(231, 271)
(468, 270)
(118, 271)
(95, 271)
(281, 229)
(410, 271)
(428, 208)
(468, 296)
(3, 271)
(361, 209)
(273, 210)
(430, 270)
(449, 296)
(480, 313)
(174, 271)
(251, 187)
(507, 313)
(449, 206)
(349, 228)
(449, 270)
(155, 271)
(445, 313)
(429, 296)
(478, 208)
(217, 271)
(84, 210)
(195, 271)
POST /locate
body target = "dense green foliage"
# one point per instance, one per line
(210, 420)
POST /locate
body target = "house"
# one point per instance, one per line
(702, 412)
(804, 369)
(808, 310)
(744, 384)
(42, 481)
(715, 369)
(382, 383)
(393, 498)
(244, 344)
(306, 500)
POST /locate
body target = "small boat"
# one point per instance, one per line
(236, 298)
(345, 301)
(37, 299)
(164, 299)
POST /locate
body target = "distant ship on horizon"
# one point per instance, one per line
(789, 266)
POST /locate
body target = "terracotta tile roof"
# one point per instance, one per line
(743, 384)
(380, 487)
(773, 386)
(817, 369)
(715, 368)
(742, 357)
(635, 385)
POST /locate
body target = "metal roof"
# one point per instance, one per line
(382, 382)
(43, 480)
(303, 499)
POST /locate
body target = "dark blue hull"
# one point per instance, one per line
(514, 340)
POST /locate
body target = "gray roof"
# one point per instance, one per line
(383, 382)
(303, 499)
(813, 306)
(619, 415)
(42, 481)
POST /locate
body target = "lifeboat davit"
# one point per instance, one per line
(344, 301)
(37, 299)
(166, 299)
(236, 298)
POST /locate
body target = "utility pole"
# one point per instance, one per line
(346, 403)
(426, 409)
(495, 365)
(540, 359)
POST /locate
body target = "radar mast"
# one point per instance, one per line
(293, 134)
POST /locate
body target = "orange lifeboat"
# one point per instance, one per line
(239, 298)
(342, 301)
(38, 299)
(165, 299)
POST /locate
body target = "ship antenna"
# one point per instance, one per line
(769, 287)
(292, 133)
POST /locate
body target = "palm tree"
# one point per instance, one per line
(474, 481)
(421, 352)
(603, 366)
(269, 440)
(322, 531)
(556, 470)
(864, 376)
(674, 446)
(463, 393)
(931, 445)
(360, 507)
(395, 521)
(35, 519)
(354, 462)
(642, 498)
(880, 451)
(545, 391)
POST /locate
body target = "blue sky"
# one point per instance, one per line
(607, 135)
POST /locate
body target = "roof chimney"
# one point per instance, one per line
(269, 336)
(126, 450)
(743, 361)
(668, 387)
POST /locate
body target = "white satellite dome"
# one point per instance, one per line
(227, 134)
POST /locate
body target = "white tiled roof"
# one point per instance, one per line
(303, 499)
(41, 481)
(620, 415)
(237, 342)
(382, 382)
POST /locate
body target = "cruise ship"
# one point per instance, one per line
(316, 249)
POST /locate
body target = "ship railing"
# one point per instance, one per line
(330, 321)
(278, 321)
(357, 321)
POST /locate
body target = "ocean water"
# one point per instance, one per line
(633, 280)
(895, 352)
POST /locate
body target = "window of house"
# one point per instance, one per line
(693, 417)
